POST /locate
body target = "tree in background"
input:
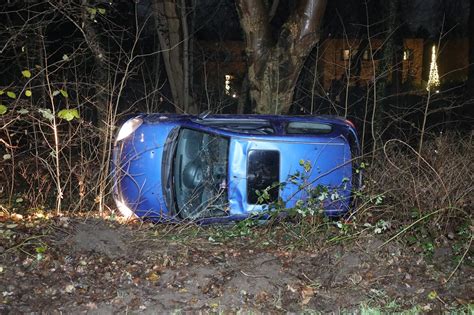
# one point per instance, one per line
(172, 27)
(275, 61)
(391, 63)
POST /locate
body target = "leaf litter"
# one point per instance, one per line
(74, 264)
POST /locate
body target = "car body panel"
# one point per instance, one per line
(141, 162)
(322, 156)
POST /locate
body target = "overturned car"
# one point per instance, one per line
(169, 167)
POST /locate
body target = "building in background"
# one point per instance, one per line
(220, 66)
(219, 61)
(453, 60)
(339, 59)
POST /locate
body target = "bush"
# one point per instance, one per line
(438, 181)
(28, 165)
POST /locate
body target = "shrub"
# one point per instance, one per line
(414, 185)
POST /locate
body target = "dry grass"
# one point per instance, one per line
(440, 179)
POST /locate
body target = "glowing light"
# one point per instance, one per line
(346, 54)
(407, 54)
(433, 79)
(128, 128)
(124, 210)
(227, 87)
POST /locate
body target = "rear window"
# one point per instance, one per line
(303, 127)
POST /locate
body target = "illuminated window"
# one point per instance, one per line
(227, 84)
(407, 54)
(346, 54)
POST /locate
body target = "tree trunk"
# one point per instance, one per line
(274, 65)
(170, 18)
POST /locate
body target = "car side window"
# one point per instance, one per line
(303, 127)
(247, 126)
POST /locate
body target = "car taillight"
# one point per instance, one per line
(350, 123)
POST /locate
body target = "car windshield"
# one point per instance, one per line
(200, 174)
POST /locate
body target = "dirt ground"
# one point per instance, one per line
(98, 266)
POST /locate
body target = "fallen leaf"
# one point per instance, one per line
(261, 297)
(69, 288)
(426, 307)
(355, 278)
(214, 305)
(290, 288)
(91, 305)
(307, 293)
(153, 277)
(432, 295)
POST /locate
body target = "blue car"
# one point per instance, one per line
(169, 167)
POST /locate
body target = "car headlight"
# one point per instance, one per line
(123, 209)
(128, 128)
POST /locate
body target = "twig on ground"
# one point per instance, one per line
(252, 276)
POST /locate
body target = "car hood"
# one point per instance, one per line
(138, 167)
